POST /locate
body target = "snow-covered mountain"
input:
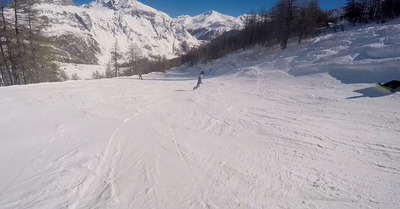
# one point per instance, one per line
(336, 13)
(210, 25)
(88, 33)
(57, 2)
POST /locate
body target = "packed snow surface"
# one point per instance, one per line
(299, 128)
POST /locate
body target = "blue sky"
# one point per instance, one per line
(234, 8)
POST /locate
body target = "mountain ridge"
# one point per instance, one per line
(88, 33)
(57, 2)
(210, 24)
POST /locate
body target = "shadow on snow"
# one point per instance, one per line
(370, 92)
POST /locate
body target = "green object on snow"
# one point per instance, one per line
(390, 86)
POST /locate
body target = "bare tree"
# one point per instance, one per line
(33, 45)
(133, 57)
(96, 75)
(309, 17)
(353, 11)
(109, 73)
(115, 56)
(19, 71)
(250, 27)
(5, 67)
(26, 58)
(282, 14)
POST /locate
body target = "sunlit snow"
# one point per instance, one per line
(299, 128)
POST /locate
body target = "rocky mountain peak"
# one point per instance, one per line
(57, 2)
(87, 34)
(117, 4)
(210, 25)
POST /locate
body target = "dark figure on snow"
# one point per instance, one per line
(199, 80)
(392, 85)
(139, 72)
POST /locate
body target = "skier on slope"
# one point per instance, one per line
(199, 80)
(140, 74)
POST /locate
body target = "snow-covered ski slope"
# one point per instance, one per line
(299, 128)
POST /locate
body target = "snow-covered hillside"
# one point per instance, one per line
(299, 128)
(210, 25)
(88, 33)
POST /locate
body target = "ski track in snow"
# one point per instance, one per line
(265, 130)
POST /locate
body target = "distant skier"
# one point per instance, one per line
(139, 72)
(199, 80)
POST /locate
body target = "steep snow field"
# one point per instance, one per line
(299, 128)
